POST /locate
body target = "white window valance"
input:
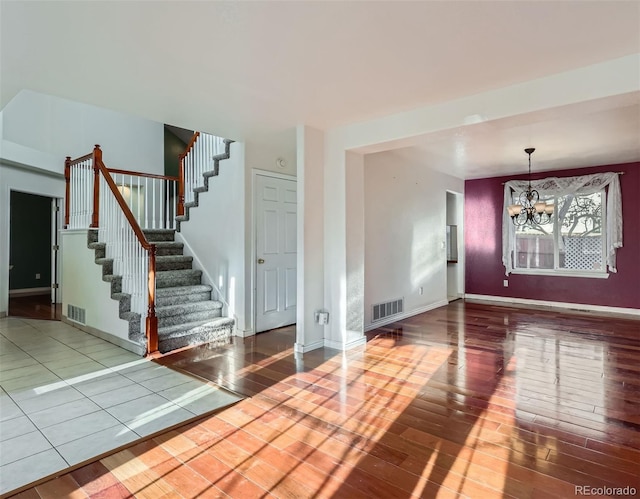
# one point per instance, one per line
(563, 186)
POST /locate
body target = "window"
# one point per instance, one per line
(584, 235)
(574, 241)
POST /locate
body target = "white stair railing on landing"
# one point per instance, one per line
(198, 159)
(152, 199)
(80, 200)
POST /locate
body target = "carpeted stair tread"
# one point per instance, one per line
(173, 262)
(174, 258)
(210, 332)
(182, 294)
(129, 315)
(166, 248)
(172, 278)
(187, 308)
(183, 290)
(157, 235)
(203, 314)
(168, 244)
(184, 329)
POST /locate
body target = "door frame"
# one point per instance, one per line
(255, 172)
(458, 199)
(56, 219)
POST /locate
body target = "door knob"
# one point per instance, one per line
(260, 260)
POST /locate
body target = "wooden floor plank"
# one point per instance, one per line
(466, 400)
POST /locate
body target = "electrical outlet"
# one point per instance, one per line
(37, 276)
(421, 290)
(505, 283)
(322, 318)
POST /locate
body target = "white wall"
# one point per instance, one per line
(310, 144)
(82, 286)
(356, 242)
(262, 155)
(37, 131)
(404, 129)
(215, 235)
(455, 271)
(405, 226)
(19, 179)
(60, 128)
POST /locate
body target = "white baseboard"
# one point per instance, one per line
(298, 348)
(339, 345)
(405, 315)
(116, 340)
(551, 305)
(30, 291)
(243, 334)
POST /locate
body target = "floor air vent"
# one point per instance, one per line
(76, 314)
(382, 310)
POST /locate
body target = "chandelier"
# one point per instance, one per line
(529, 209)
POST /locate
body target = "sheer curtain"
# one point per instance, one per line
(562, 186)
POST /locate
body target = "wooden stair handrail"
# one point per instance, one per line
(139, 174)
(152, 319)
(180, 210)
(80, 159)
(123, 205)
(100, 168)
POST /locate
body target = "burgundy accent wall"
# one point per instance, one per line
(483, 247)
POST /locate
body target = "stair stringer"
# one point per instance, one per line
(136, 334)
(215, 235)
(205, 188)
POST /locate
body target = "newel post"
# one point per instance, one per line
(180, 211)
(67, 190)
(152, 320)
(97, 159)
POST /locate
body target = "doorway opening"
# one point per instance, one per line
(455, 245)
(34, 221)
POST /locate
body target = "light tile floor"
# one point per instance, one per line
(67, 396)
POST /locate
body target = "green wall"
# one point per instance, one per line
(30, 241)
(173, 147)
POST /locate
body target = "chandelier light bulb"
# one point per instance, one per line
(530, 209)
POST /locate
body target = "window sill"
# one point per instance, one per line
(562, 273)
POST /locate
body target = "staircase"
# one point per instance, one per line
(132, 219)
(186, 313)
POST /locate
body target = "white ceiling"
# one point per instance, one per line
(250, 69)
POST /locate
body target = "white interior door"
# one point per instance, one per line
(276, 215)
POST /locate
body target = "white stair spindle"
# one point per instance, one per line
(153, 204)
(130, 203)
(139, 198)
(146, 202)
(167, 202)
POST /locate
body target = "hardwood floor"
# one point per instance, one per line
(35, 307)
(466, 400)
